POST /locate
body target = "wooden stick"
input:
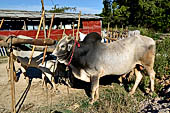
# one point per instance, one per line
(45, 35)
(73, 29)
(2, 21)
(42, 16)
(63, 32)
(49, 33)
(77, 35)
(12, 83)
(108, 27)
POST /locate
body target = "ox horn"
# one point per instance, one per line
(69, 38)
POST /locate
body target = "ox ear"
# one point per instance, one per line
(68, 38)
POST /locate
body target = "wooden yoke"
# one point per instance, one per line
(77, 35)
(49, 33)
(42, 16)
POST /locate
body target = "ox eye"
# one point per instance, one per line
(63, 47)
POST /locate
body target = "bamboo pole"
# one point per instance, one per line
(42, 16)
(45, 34)
(12, 83)
(49, 33)
(2, 21)
(73, 29)
(77, 35)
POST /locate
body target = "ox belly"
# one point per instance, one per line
(80, 74)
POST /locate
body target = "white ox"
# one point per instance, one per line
(48, 68)
(94, 59)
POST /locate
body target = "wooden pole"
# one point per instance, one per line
(45, 35)
(73, 28)
(108, 27)
(42, 16)
(49, 33)
(25, 26)
(12, 83)
(2, 21)
(77, 35)
(63, 32)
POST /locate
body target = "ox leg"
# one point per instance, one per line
(148, 62)
(44, 82)
(94, 88)
(151, 74)
(55, 87)
(137, 81)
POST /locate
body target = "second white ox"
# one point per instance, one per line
(47, 69)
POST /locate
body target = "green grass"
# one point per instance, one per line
(113, 99)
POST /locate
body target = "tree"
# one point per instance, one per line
(145, 13)
(61, 9)
(107, 12)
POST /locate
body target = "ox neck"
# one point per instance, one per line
(76, 43)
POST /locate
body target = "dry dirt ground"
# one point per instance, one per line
(37, 96)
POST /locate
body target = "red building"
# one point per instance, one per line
(26, 23)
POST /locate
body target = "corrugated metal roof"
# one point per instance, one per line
(37, 14)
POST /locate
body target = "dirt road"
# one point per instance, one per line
(36, 97)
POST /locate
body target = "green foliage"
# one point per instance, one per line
(61, 9)
(162, 62)
(144, 13)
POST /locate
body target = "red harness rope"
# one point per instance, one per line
(78, 45)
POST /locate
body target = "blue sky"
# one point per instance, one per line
(86, 6)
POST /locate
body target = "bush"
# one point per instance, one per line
(162, 60)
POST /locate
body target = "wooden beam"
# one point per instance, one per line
(39, 42)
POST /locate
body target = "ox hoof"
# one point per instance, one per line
(121, 84)
(151, 93)
(57, 92)
(91, 102)
(131, 93)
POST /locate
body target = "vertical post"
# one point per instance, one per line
(49, 33)
(42, 16)
(2, 21)
(73, 28)
(108, 27)
(25, 27)
(61, 24)
(116, 32)
(12, 83)
(77, 35)
(45, 35)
